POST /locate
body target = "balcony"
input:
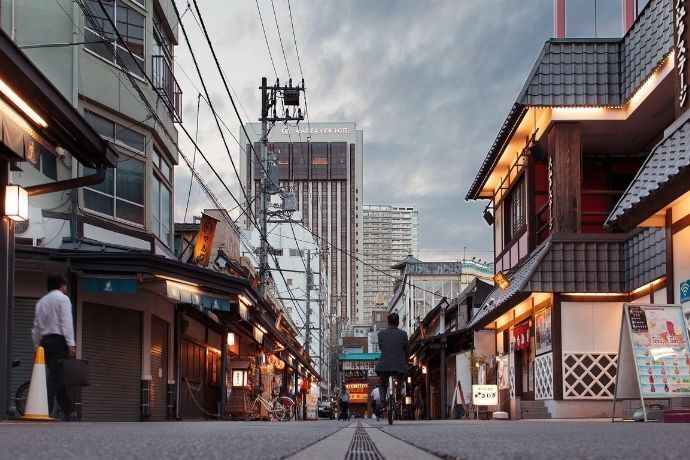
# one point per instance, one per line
(167, 88)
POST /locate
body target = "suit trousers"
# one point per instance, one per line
(55, 349)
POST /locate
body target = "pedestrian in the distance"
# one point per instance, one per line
(54, 330)
(344, 405)
(417, 402)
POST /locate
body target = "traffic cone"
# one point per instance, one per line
(37, 402)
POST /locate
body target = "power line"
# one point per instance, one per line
(225, 84)
(280, 38)
(266, 38)
(196, 138)
(299, 62)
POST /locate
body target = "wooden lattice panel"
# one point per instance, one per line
(589, 375)
(543, 376)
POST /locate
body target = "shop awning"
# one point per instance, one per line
(66, 128)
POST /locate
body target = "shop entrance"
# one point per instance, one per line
(524, 360)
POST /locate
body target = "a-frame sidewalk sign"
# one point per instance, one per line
(653, 355)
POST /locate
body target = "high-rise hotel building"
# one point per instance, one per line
(390, 234)
(322, 164)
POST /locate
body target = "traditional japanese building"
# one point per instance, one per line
(586, 120)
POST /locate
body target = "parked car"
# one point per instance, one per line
(325, 410)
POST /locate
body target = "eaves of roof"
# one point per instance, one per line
(499, 301)
(663, 178)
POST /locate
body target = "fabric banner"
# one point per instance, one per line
(521, 333)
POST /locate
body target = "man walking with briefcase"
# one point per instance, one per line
(54, 330)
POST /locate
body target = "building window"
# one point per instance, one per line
(121, 194)
(116, 132)
(131, 26)
(162, 69)
(515, 207)
(161, 202)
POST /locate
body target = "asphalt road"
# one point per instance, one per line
(327, 439)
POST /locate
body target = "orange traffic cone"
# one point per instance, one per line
(37, 401)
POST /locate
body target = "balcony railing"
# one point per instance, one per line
(167, 88)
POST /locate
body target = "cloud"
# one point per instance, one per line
(429, 82)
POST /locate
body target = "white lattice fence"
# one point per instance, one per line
(589, 375)
(543, 376)
(512, 381)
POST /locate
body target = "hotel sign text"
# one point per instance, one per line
(297, 130)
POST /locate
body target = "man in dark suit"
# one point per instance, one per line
(395, 351)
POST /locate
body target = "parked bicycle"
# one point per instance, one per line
(18, 399)
(278, 408)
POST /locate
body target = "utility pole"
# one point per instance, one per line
(269, 185)
(307, 340)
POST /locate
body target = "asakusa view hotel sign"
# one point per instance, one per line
(681, 31)
(298, 130)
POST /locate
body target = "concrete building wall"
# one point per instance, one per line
(329, 202)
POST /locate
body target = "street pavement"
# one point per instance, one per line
(329, 439)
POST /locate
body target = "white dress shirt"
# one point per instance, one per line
(53, 316)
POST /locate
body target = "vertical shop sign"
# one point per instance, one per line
(681, 30)
(204, 240)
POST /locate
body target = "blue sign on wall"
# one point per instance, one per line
(685, 291)
(109, 286)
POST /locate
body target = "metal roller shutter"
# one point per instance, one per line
(159, 367)
(22, 345)
(112, 344)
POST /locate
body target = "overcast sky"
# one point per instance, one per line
(429, 82)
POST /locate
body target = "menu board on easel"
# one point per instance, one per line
(653, 353)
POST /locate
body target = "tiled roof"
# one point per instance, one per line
(588, 72)
(646, 44)
(611, 263)
(575, 73)
(644, 256)
(499, 298)
(661, 179)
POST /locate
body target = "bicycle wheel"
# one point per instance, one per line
(20, 397)
(391, 402)
(279, 411)
(289, 407)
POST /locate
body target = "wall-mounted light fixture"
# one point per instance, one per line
(488, 217)
(16, 203)
(23, 106)
(501, 281)
(423, 369)
(231, 338)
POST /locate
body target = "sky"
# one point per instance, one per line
(430, 83)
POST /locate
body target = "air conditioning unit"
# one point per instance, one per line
(33, 228)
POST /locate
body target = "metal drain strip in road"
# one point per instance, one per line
(362, 447)
(361, 442)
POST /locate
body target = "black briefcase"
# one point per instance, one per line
(73, 372)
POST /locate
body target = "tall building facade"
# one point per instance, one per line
(390, 234)
(321, 163)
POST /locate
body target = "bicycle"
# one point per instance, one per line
(18, 399)
(392, 395)
(278, 408)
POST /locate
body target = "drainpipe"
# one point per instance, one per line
(74, 198)
(223, 371)
(176, 344)
(83, 181)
